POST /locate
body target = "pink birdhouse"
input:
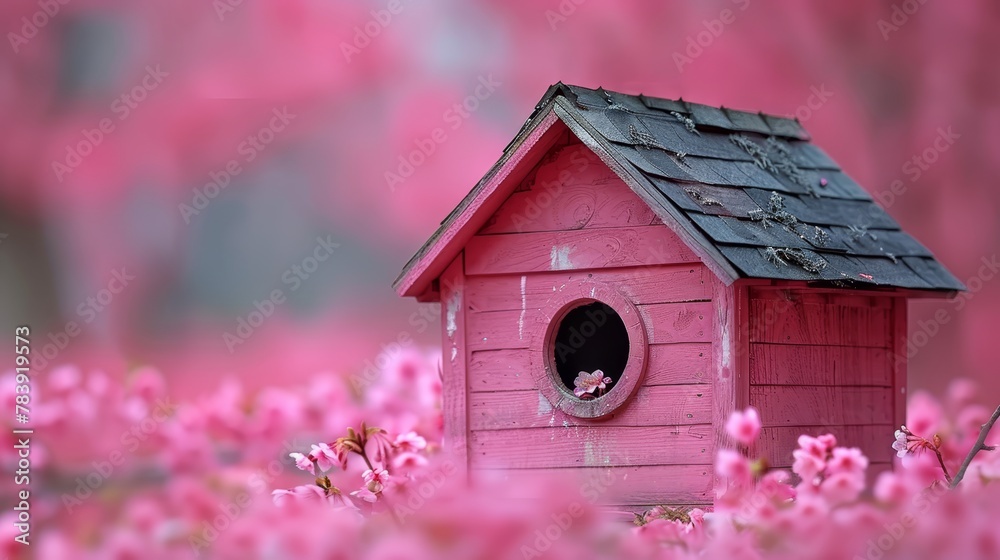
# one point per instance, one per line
(634, 269)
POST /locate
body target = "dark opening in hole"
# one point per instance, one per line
(591, 337)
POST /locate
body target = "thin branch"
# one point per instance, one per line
(979, 446)
(943, 467)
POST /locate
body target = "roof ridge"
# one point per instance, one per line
(680, 100)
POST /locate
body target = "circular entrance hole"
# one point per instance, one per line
(591, 337)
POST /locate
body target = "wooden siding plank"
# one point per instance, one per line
(665, 323)
(667, 364)
(781, 291)
(500, 370)
(791, 364)
(592, 446)
(571, 189)
(678, 364)
(822, 406)
(575, 250)
(794, 322)
(723, 372)
(678, 322)
(635, 485)
(643, 285)
(455, 383)
(498, 330)
(650, 406)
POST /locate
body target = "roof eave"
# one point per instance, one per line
(434, 256)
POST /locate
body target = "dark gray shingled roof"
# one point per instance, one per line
(748, 187)
(775, 205)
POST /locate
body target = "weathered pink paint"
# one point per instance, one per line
(825, 363)
(556, 216)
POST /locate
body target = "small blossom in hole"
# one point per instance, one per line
(588, 383)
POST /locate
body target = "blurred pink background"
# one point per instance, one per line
(117, 113)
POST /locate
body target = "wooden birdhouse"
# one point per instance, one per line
(703, 260)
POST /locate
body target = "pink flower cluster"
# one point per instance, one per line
(126, 471)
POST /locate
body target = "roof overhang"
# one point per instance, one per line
(553, 116)
(537, 135)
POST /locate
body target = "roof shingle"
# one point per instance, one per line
(763, 200)
(725, 170)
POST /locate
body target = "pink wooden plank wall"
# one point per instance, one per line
(454, 371)
(572, 218)
(824, 363)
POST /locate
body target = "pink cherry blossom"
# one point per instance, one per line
(587, 383)
(828, 440)
(847, 460)
(408, 462)
(814, 446)
(304, 462)
(900, 443)
(842, 487)
(365, 494)
(377, 478)
(891, 488)
(733, 466)
(410, 442)
(744, 426)
(325, 457)
(807, 465)
(382, 446)
(281, 496)
(923, 415)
